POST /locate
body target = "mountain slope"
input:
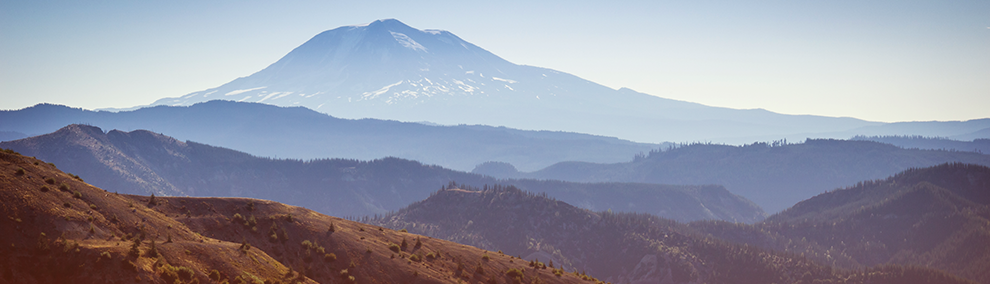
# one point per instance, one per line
(300, 133)
(60, 229)
(389, 70)
(85, 235)
(620, 248)
(142, 162)
(936, 217)
(775, 176)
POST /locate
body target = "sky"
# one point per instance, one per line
(874, 60)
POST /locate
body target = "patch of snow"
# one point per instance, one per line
(372, 95)
(245, 98)
(235, 92)
(433, 32)
(468, 72)
(510, 88)
(190, 95)
(504, 80)
(208, 93)
(269, 96)
(465, 87)
(407, 42)
(319, 106)
(282, 95)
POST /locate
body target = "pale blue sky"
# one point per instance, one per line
(875, 60)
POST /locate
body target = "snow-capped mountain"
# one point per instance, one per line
(388, 70)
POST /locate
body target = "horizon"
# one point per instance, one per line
(915, 62)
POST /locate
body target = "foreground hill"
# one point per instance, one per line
(300, 133)
(60, 229)
(68, 231)
(620, 248)
(142, 162)
(775, 176)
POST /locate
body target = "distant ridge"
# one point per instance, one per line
(143, 162)
(775, 175)
(300, 133)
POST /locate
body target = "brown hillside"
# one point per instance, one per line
(50, 236)
(303, 239)
(58, 229)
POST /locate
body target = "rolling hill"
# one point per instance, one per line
(773, 175)
(142, 162)
(60, 229)
(619, 247)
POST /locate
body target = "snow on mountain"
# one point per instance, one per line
(388, 70)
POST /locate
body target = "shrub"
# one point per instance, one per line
(393, 247)
(404, 231)
(331, 229)
(415, 257)
(44, 188)
(486, 257)
(77, 194)
(66, 204)
(479, 269)
(50, 180)
(63, 187)
(106, 255)
(330, 257)
(513, 272)
(418, 243)
(152, 250)
(152, 201)
(214, 275)
(20, 171)
(404, 244)
(238, 218)
(93, 206)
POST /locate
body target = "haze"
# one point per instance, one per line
(880, 61)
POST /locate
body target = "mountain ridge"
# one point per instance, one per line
(144, 162)
(773, 175)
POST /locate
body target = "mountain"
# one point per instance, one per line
(773, 175)
(389, 70)
(300, 133)
(936, 217)
(934, 143)
(73, 232)
(143, 162)
(618, 247)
